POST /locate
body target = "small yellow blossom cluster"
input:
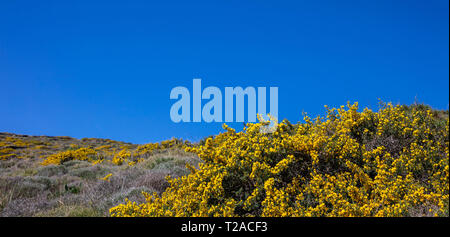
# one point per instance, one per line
(149, 148)
(394, 162)
(7, 153)
(106, 178)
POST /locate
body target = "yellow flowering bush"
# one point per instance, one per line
(394, 162)
(78, 154)
(121, 156)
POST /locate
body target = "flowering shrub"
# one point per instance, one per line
(394, 162)
(79, 154)
(121, 156)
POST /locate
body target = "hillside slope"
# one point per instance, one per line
(64, 176)
(393, 162)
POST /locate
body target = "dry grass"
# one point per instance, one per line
(75, 188)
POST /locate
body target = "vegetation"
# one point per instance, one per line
(63, 176)
(393, 162)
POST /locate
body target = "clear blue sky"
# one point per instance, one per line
(105, 68)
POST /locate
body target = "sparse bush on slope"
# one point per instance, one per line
(394, 162)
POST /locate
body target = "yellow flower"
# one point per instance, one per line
(106, 178)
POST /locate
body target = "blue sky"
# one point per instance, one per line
(106, 68)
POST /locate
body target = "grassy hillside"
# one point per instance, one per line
(392, 162)
(84, 181)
